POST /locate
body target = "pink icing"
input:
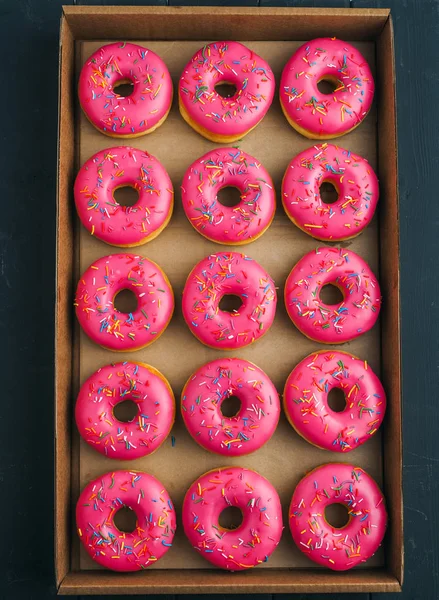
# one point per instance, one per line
(156, 521)
(255, 539)
(306, 400)
(226, 62)
(352, 176)
(111, 328)
(116, 383)
(256, 420)
(137, 113)
(326, 115)
(338, 548)
(223, 274)
(337, 323)
(97, 208)
(221, 168)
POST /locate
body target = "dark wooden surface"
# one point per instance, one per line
(29, 51)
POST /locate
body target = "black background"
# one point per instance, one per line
(28, 130)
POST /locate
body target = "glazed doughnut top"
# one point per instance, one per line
(131, 115)
(111, 328)
(306, 400)
(112, 548)
(319, 113)
(352, 176)
(254, 423)
(332, 323)
(223, 167)
(229, 273)
(111, 169)
(255, 539)
(233, 63)
(338, 548)
(111, 384)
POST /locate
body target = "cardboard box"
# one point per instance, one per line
(175, 33)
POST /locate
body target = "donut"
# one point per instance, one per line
(332, 323)
(100, 213)
(325, 116)
(115, 330)
(255, 539)
(152, 537)
(219, 119)
(228, 167)
(306, 400)
(352, 177)
(234, 274)
(338, 548)
(115, 383)
(145, 109)
(254, 423)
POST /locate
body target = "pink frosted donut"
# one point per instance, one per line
(260, 531)
(306, 400)
(101, 283)
(124, 226)
(105, 543)
(354, 180)
(145, 109)
(254, 423)
(228, 167)
(223, 274)
(115, 383)
(225, 119)
(337, 548)
(324, 116)
(332, 323)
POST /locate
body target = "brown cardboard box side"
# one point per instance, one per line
(390, 326)
(63, 310)
(157, 23)
(130, 23)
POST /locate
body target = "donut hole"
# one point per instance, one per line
(230, 518)
(125, 301)
(126, 195)
(230, 303)
(230, 406)
(337, 400)
(328, 85)
(328, 192)
(125, 411)
(331, 294)
(229, 196)
(226, 89)
(123, 87)
(337, 515)
(125, 519)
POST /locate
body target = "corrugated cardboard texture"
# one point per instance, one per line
(177, 353)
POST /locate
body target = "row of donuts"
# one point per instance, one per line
(254, 496)
(124, 166)
(315, 115)
(222, 119)
(212, 279)
(305, 401)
